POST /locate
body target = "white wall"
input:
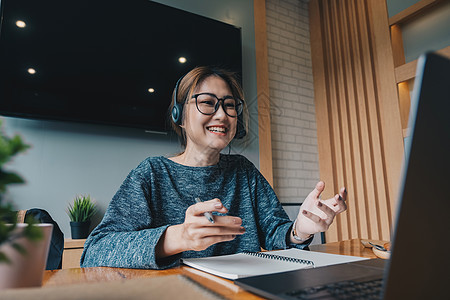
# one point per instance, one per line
(294, 134)
(67, 159)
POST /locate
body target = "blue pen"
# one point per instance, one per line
(208, 215)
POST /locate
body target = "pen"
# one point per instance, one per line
(208, 215)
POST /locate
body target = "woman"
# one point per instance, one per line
(154, 220)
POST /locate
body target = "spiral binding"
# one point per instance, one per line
(282, 258)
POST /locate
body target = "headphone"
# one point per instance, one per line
(177, 109)
(177, 113)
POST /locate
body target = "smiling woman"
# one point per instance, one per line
(154, 219)
(189, 90)
(207, 126)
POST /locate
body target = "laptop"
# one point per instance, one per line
(419, 267)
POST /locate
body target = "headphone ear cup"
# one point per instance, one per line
(177, 109)
(240, 128)
(177, 112)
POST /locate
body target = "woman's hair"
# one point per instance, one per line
(187, 87)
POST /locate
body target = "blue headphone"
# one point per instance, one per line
(177, 113)
(177, 109)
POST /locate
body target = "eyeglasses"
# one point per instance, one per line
(208, 104)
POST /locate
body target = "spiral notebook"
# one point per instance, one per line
(247, 264)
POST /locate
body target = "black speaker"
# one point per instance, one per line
(177, 114)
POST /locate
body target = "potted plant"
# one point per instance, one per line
(23, 246)
(80, 214)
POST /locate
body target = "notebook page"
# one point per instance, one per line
(241, 265)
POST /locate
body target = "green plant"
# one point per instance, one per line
(82, 210)
(9, 147)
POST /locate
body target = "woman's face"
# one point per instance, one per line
(209, 133)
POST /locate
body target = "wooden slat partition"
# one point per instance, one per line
(262, 86)
(358, 118)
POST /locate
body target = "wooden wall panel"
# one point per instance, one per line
(262, 86)
(358, 118)
(319, 47)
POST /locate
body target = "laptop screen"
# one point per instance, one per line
(420, 261)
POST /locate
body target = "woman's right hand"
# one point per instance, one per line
(197, 233)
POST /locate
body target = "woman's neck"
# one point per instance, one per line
(192, 158)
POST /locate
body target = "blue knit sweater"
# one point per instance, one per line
(156, 195)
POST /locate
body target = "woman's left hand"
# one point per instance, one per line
(316, 215)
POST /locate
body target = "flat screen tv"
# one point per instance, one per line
(104, 61)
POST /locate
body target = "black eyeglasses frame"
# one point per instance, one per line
(239, 104)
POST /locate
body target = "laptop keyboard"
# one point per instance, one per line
(349, 290)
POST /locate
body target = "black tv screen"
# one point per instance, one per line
(104, 61)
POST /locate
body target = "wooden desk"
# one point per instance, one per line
(221, 286)
(350, 247)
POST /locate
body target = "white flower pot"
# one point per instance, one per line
(26, 270)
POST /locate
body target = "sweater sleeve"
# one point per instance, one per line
(274, 223)
(125, 238)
